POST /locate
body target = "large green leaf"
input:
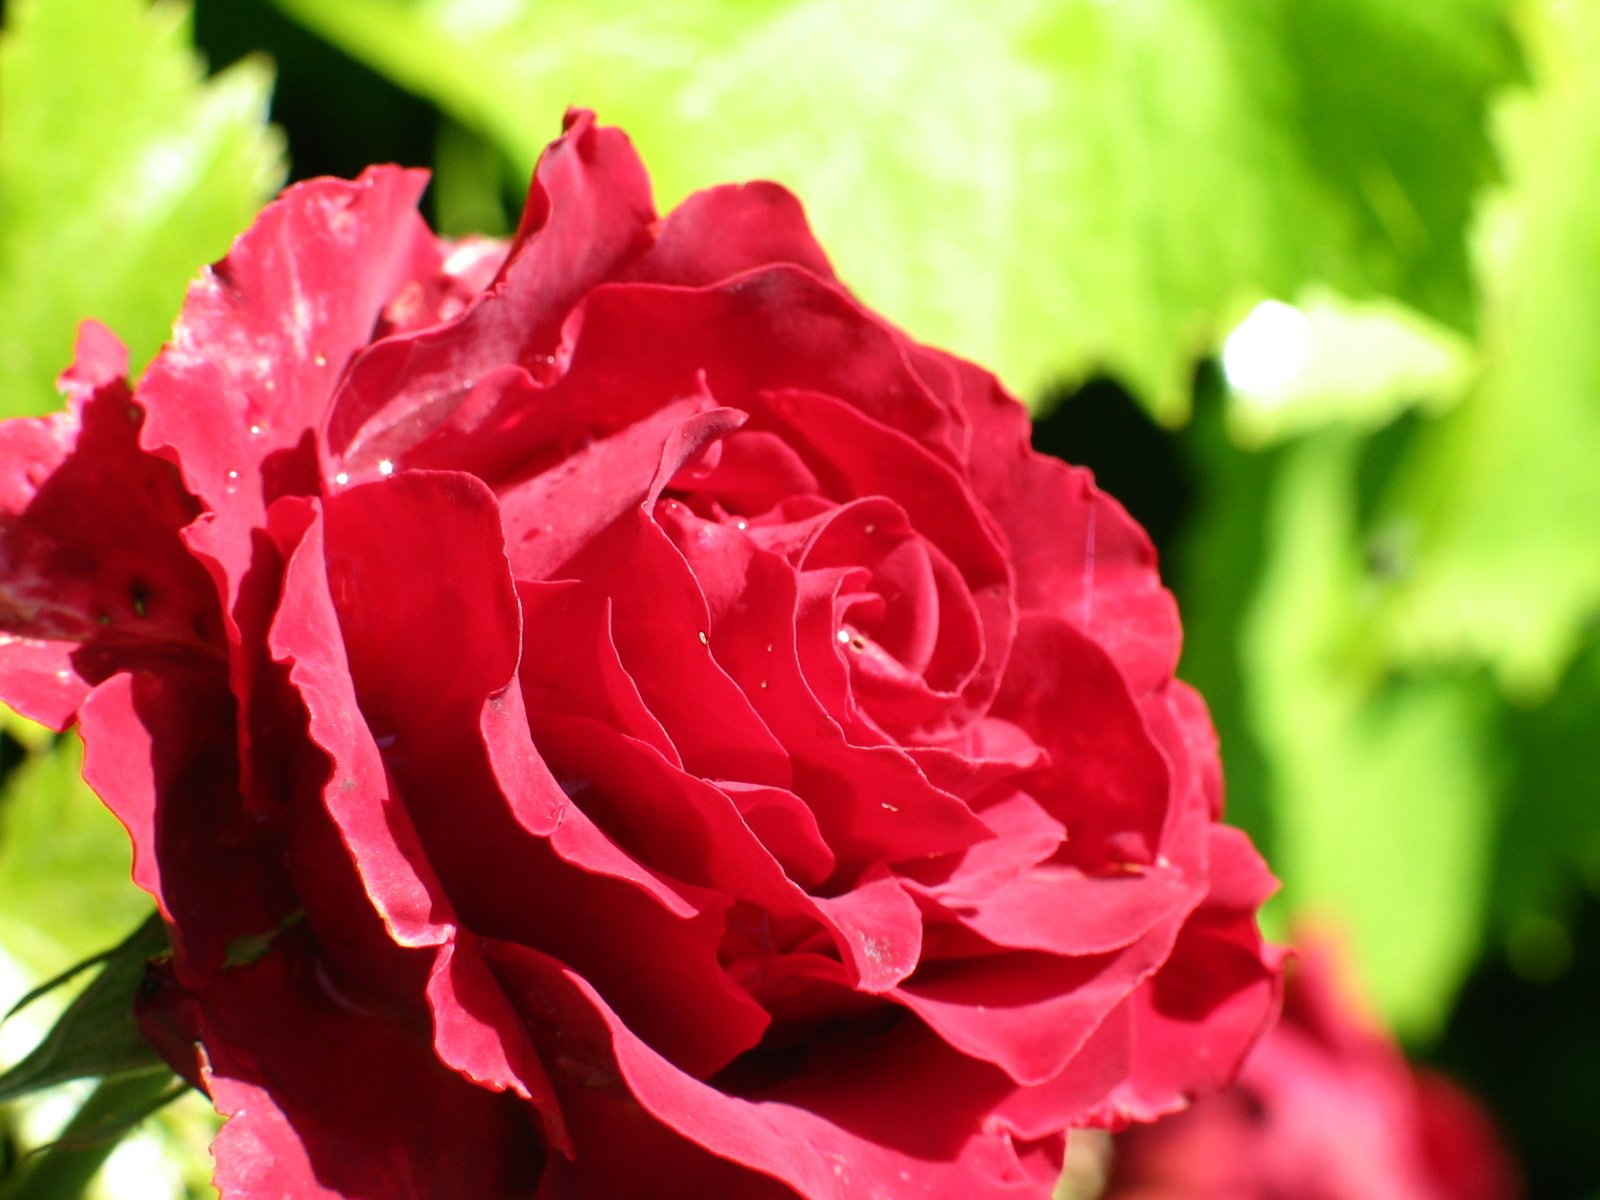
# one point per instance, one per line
(1049, 186)
(1381, 785)
(1498, 505)
(121, 173)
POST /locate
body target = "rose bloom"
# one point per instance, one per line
(1326, 1108)
(609, 716)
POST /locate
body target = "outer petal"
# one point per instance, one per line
(1212, 999)
(627, 350)
(235, 400)
(589, 211)
(93, 575)
(1090, 563)
(723, 231)
(326, 1101)
(158, 750)
(1105, 778)
(896, 1116)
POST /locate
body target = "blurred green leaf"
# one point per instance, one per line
(467, 176)
(65, 1169)
(1215, 572)
(65, 887)
(1497, 507)
(97, 1034)
(1548, 842)
(1381, 785)
(121, 174)
(1329, 360)
(1048, 186)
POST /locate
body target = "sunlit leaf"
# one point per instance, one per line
(1049, 186)
(121, 173)
(96, 1035)
(65, 862)
(1497, 508)
(1382, 786)
(1329, 360)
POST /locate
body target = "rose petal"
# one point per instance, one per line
(723, 231)
(323, 1101)
(93, 575)
(841, 1130)
(235, 399)
(1090, 564)
(589, 211)
(158, 750)
(1213, 997)
(1106, 779)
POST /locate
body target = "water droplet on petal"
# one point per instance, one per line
(321, 360)
(385, 467)
(342, 478)
(704, 640)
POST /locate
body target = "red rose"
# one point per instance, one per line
(1326, 1108)
(611, 717)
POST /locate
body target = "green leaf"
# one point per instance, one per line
(1497, 505)
(1293, 369)
(1548, 841)
(65, 864)
(121, 174)
(1381, 785)
(64, 1169)
(1216, 567)
(1048, 186)
(97, 1034)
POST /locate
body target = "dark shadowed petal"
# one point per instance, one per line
(158, 750)
(323, 1099)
